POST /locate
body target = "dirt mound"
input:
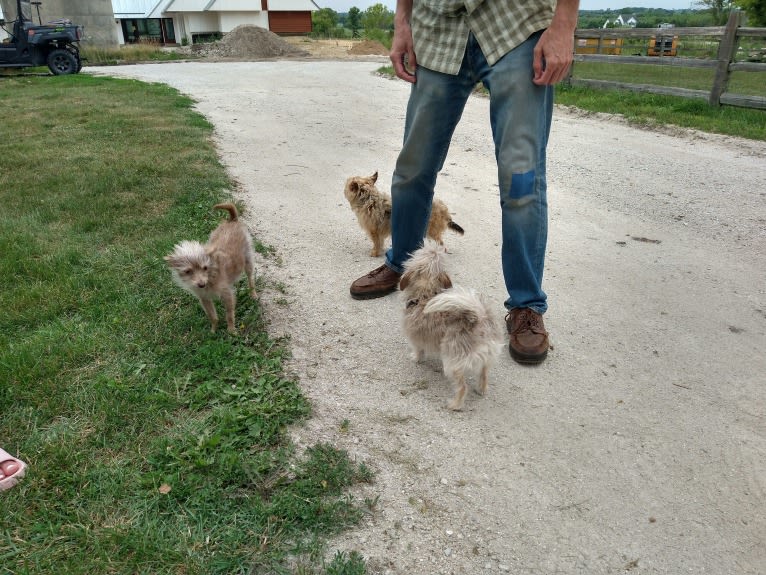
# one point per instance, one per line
(249, 42)
(369, 47)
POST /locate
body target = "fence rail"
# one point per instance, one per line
(664, 47)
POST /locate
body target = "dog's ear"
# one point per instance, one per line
(374, 177)
(213, 252)
(405, 281)
(353, 186)
(444, 280)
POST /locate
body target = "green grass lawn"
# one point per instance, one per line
(153, 445)
(658, 110)
(746, 83)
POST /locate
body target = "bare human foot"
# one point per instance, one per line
(11, 470)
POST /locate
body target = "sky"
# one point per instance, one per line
(344, 5)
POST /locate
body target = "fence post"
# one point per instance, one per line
(726, 52)
(568, 80)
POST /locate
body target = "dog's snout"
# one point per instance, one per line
(201, 284)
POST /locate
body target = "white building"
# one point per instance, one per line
(184, 21)
(625, 21)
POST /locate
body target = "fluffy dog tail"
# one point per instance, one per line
(455, 228)
(461, 301)
(231, 208)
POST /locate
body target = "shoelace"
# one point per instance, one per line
(526, 320)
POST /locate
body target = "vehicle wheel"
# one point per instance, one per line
(61, 62)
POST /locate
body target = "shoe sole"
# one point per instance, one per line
(528, 359)
(372, 294)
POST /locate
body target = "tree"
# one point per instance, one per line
(354, 21)
(324, 21)
(718, 8)
(378, 17)
(378, 24)
(755, 10)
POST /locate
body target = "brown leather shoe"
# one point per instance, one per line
(379, 282)
(529, 340)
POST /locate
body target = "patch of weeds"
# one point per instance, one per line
(346, 564)
(371, 503)
(267, 251)
(281, 287)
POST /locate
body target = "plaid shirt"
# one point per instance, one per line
(440, 28)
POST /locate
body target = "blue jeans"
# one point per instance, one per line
(520, 118)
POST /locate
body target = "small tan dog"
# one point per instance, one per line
(373, 210)
(447, 320)
(210, 271)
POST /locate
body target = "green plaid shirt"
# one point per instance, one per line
(440, 28)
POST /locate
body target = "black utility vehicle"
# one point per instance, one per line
(53, 44)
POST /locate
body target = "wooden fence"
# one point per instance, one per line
(662, 46)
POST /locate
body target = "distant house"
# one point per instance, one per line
(625, 21)
(172, 21)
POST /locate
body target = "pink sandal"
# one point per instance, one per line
(11, 470)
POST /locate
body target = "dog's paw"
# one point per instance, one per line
(456, 404)
(480, 390)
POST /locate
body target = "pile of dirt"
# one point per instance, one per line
(369, 48)
(247, 42)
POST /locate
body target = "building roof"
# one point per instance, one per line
(155, 8)
(136, 8)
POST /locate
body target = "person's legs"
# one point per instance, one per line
(520, 115)
(435, 106)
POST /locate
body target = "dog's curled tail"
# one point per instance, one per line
(231, 208)
(458, 300)
(455, 228)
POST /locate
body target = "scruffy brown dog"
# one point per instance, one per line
(450, 321)
(373, 210)
(210, 271)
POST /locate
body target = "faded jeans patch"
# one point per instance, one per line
(521, 192)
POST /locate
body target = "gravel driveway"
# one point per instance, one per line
(639, 446)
